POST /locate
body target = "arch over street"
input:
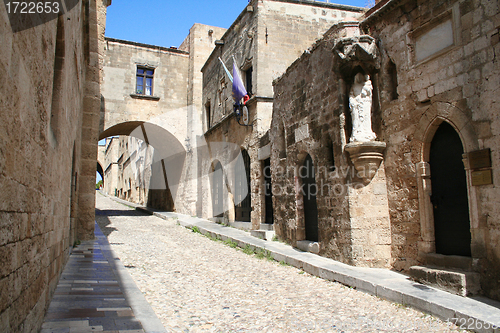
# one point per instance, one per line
(156, 164)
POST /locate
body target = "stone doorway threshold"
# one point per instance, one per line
(454, 274)
(266, 232)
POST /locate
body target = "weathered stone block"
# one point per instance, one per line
(457, 282)
(308, 246)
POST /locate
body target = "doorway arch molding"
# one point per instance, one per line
(429, 122)
(433, 116)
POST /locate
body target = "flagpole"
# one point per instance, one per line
(227, 71)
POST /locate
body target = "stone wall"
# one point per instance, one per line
(49, 75)
(267, 37)
(287, 29)
(238, 41)
(169, 120)
(128, 172)
(110, 166)
(456, 84)
(419, 83)
(95, 17)
(199, 43)
(309, 118)
(122, 104)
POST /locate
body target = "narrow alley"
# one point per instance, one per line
(195, 284)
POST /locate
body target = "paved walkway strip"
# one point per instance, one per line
(96, 294)
(471, 314)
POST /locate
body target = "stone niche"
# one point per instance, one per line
(357, 63)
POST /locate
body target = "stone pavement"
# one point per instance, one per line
(195, 284)
(471, 314)
(96, 294)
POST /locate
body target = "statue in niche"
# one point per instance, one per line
(360, 103)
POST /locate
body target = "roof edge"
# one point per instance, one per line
(149, 46)
(380, 9)
(323, 4)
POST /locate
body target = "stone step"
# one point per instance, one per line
(262, 234)
(447, 261)
(459, 282)
(267, 226)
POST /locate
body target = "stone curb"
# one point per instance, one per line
(471, 314)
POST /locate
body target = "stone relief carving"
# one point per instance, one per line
(360, 104)
(353, 51)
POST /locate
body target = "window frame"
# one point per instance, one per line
(145, 76)
(249, 80)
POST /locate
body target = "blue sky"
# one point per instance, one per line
(167, 22)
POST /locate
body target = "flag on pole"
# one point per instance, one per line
(227, 71)
(239, 90)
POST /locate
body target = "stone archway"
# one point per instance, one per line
(165, 175)
(307, 194)
(100, 170)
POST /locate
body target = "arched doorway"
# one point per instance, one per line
(155, 158)
(217, 190)
(449, 193)
(100, 171)
(309, 191)
(242, 198)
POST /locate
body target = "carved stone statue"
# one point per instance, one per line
(360, 103)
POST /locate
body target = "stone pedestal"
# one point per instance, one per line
(366, 157)
(368, 206)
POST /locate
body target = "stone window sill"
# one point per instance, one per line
(151, 98)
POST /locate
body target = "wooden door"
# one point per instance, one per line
(268, 193)
(309, 190)
(449, 193)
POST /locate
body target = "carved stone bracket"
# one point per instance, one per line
(356, 51)
(366, 157)
(428, 243)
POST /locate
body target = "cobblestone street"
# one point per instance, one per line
(195, 284)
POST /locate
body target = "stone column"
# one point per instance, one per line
(428, 242)
(91, 114)
(370, 222)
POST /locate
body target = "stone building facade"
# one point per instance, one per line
(262, 42)
(49, 78)
(157, 121)
(425, 191)
(129, 164)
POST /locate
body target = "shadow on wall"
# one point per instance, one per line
(102, 114)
